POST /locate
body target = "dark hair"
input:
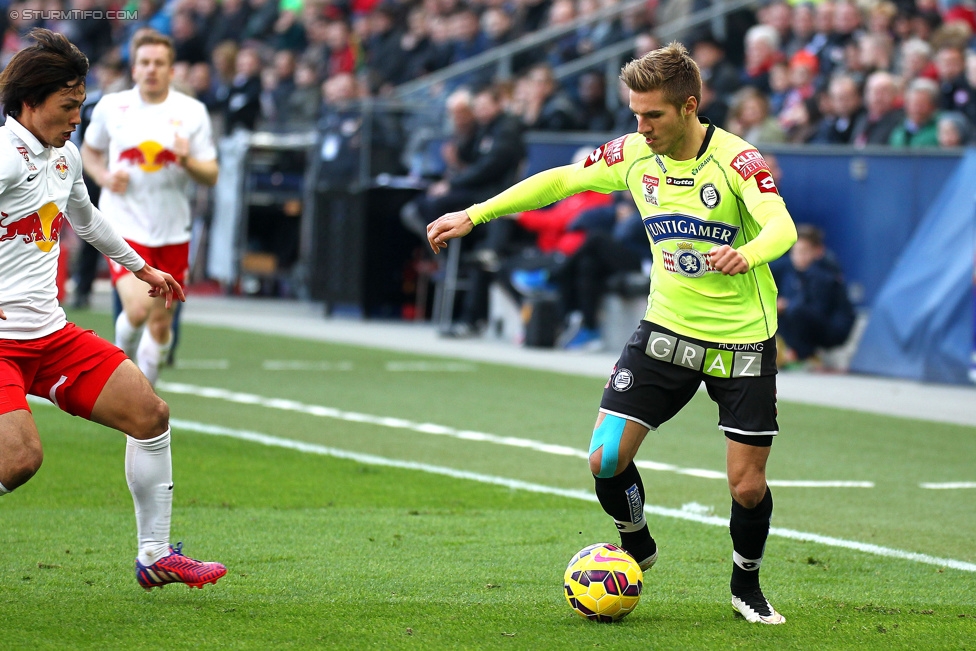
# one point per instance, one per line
(38, 71)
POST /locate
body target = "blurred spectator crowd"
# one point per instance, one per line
(898, 73)
(888, 72)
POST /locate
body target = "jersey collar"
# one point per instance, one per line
(709, 132)
(29, 139)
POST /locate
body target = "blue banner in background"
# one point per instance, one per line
(922, 323)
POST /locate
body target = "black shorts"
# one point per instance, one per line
(659, 371)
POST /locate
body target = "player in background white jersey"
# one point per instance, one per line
(143, 147)
(41, 353)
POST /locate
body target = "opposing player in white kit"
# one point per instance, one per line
(41, 353)
(143, 146)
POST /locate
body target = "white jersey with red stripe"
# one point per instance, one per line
(40, 187)
(138, 137)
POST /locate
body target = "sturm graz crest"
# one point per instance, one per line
(622, 380)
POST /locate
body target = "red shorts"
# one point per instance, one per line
(69, 367)
(174, 259)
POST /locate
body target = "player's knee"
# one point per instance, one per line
(137, 314)
(153, 419)
(160, 416)
(748, 492)
(605, 446)
(596, 461)
(159, 329)
(598, 469)
(159, 323)
(22, 464)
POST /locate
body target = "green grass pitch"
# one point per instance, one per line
(324, 552)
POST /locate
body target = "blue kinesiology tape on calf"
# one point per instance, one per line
(607, 435)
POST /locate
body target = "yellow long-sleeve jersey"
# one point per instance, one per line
(725, 195)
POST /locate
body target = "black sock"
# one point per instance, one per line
(749, 529)
(622, 497)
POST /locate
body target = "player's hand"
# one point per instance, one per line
(447, 227)
(161, 284)
(181, 147)
(117, 181)
(727, 260)
(3, 316)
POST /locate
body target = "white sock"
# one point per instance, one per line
(3, 490)
(149, 473)
(127, 335)
(151, 354)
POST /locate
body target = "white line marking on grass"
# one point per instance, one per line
(203, 364)
(515, 484)
(950, 485)
(699, 509)
(430, 367)
(304, 365)
(312, 448)
(465, 435)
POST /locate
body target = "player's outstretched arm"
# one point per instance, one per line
(447, 227)
(161, 284)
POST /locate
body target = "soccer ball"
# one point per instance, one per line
(603, 582)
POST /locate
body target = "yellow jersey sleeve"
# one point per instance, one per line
(604, 170)
(753, 182)
(778, 234)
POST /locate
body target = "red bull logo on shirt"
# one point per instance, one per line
(61, 165)
(42, 227)
(149, 156)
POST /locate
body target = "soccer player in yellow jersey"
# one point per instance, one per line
(714, 219)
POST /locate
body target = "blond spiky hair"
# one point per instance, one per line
(670, 69)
